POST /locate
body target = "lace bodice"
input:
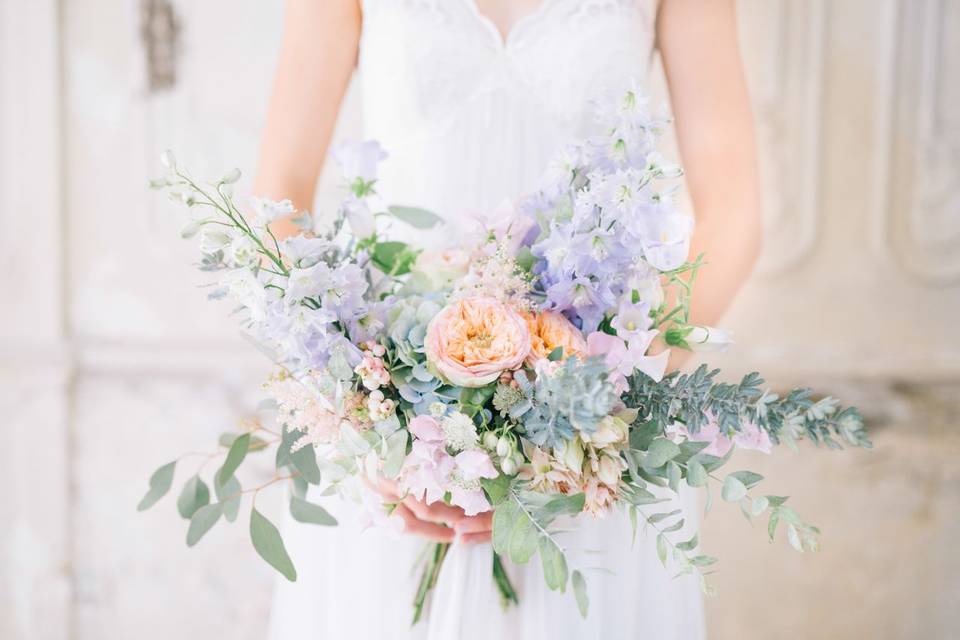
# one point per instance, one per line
(470, 117)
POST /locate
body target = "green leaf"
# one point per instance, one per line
(772, 524)
(660, 452)
(352, 442)
(555, 571)
(703, 561)
(662, 548)
(505, 515)
(394, 258)
(643, 434)
(759, 505)
(236, 454)
(748, 478)
(676, 526)
(268, 543)
(660, 517)
(523, 539)
(310, 513)
(195, 494)
(696, 474)
(229, 497)
(580, 593)
(305, 461)
(202, 521)
(673, 475)
(396, 454)
(561, 505)
(689, 545)
(733, 490)
(556, 354)
(497, 489)
(415, 217)
(160, 482)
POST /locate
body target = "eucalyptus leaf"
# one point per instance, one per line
(396, 453)
(195, 494)
(202, 521)
(733, 490)
(268, 543)
(580, 592)
(523, 539)
(673, 475)
(415, 217)
(310, 513)
(160, 482)
(696, 474)
(660, 452)
(236, 454)
(229, 497)
(662, 549)
(304, 461)
(497, 489)
(748, 478)
(554, 563)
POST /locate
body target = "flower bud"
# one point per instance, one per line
(508, 466)
(504, 446)
(231, 176)
(490, 440)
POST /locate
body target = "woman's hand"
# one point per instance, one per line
(438, 522)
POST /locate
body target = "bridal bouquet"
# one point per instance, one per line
(516, 372)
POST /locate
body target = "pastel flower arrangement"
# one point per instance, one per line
(522, 371)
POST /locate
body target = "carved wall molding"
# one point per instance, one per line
(786, 90)
(917, 178)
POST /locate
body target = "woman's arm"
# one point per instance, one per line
(318, 54)
(698, 43)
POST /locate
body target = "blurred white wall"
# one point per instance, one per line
(111, 363)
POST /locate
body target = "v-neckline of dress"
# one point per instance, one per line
(504, 40)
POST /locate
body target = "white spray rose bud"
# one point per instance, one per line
(709, 339)
(504, 446)
(231, 176)
(490, 440)
(508, 466)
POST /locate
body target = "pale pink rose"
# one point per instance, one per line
(473, 340)
(549, 330)
(442, 268)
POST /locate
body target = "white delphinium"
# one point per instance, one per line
(242, 252)
(266, 210)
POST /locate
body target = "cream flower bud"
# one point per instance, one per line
(609, 471)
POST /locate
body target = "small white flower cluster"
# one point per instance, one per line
(459, 431)
(379, 407)
(372, 370)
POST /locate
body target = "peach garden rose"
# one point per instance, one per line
(549, 330)
(473, 340)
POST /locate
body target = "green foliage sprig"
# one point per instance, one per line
(688, 398)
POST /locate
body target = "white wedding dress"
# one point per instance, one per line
(470, 118)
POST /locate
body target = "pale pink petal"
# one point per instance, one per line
(472, 501)
(475, 464)
(426, 428)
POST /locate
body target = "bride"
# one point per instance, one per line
(472, 98)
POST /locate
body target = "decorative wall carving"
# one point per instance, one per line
(783, 40)
(918, 132)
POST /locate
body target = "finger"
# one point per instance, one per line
(436, 512)
(428, 530)
(476, 538)
(385, 488)
(475, 524)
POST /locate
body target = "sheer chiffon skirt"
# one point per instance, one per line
(359, 584)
